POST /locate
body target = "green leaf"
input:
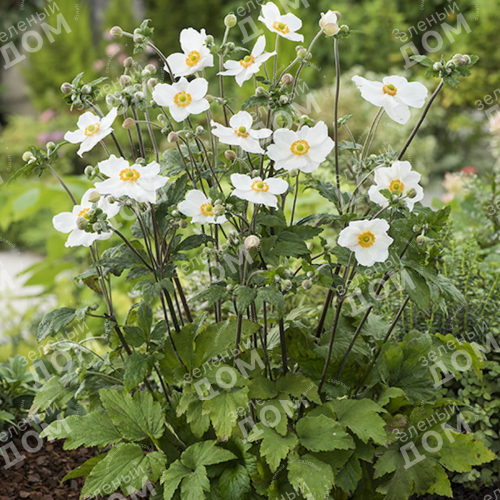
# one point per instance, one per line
(273, 297)
(195, 485)
(138, 418)
(255, 100)
(93, 429)
(54, 321)
(121, 464)
(144, 318)
(298, 385)
(51, 392)
(416, 287)
(349, 476)
(273, 447)
(191, 242)
(172, 477)
(423, 60)
(361, 417)
(244, 297)
(234, 483)
(320, 433)
(205, 453)
(309, 476)
(136, 370)
(220, 406)
(85, 469)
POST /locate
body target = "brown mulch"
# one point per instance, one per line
(38, 476)
(460, 493)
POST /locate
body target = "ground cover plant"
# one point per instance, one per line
(225, 379)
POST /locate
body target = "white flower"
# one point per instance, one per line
(245, 68)
(200, 208)
(195, 55)
(240, 133)
(137, 182)
(66, 222)
(394, 94)
(303, 150)
(368, 239)
(183, 98)
(91, 130)
(398, 179)
(257, 190)
(329, 23)
(284, 26)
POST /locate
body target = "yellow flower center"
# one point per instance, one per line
(247, 61)
(396, 186)
(366, 239)
(299, 148)
(242, 132)
(260, 186)
(129, 174)
(390, 89)
(207, 209)
(84, 213)
(193, 58)
(182, 99)
(92, 129)
(281, 27)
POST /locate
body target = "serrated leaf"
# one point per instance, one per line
(85, 469)
(273, 447)
(320, 433)
(93, 429)
(205, 453)
(52, 392)
(244, 297)
(136, 369)
(234, 483)
(54, 321)
(309, 476)
(137, 418)
(298, 385)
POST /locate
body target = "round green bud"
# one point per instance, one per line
(173, 137)
(307, 284)
(81, 223)
(128, 62)
(27, 156)
(284, 99)
(116, 32)
(152, 82)
(138, 38)
(94, 197)
(89, 170)
(260, 91)
(302, 53)
(230, 46)
(125, 80)
(252, 242)
(86, 89)
(219, 210)
(287, 79)
(230, 155)
(183, 224)
(209, 40)
(421, 239)
(293, 173)
(50, 145)
(128, 123)
(230, 20)
(437, 66)
(110, 99)
(286, 285)
(411, 193)
(66, 88)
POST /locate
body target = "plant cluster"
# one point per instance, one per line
(233, 391)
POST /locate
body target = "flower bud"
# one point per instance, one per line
(229, 287)
(459, 60)
(94, 197)
(299, 47)
(467, 59)
(139, 96)
(116, 32)
(175, 213)
(293, 173)
(86, 89)
(209, 40)
(284, 99)
(199, 129)
(230, 46)
(437, 66)
(302, 53)
(152, 82)
(110, 99)
(328, 23)
(89, 170)
(230, 20)
(81, 223)
(27, 155)
(151, 68)
(128, 63)
(252, 242)
(66, 88)
(50, 145)
(286, 285)
(411, 193)
(183, 224)
(287, 79)
(260, 91)
(230, 155)
(125, 80)
(310, 274)
(219, 210)
(173, 137)
(307, 284)
(97, 226)
(128, 123)
(138, 38)
(255, 173)
(145, 72)
(421, 239)
(416, 228)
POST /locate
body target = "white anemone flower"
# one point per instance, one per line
(329, 23)
(368, 239)
(91, 130)
(395, 94)
(183, 98)
(240, 133)
(137, 182)
(200, 208)
(66, 222)
(257, 190)
(399, 179)
(245, 68)
(195, 55)
(284, 26)
(304, 150)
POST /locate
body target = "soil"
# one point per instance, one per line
(460, 493)
(38, 476)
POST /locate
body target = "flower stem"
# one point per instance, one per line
(420, 121)
(295, 198)
(335, 121)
